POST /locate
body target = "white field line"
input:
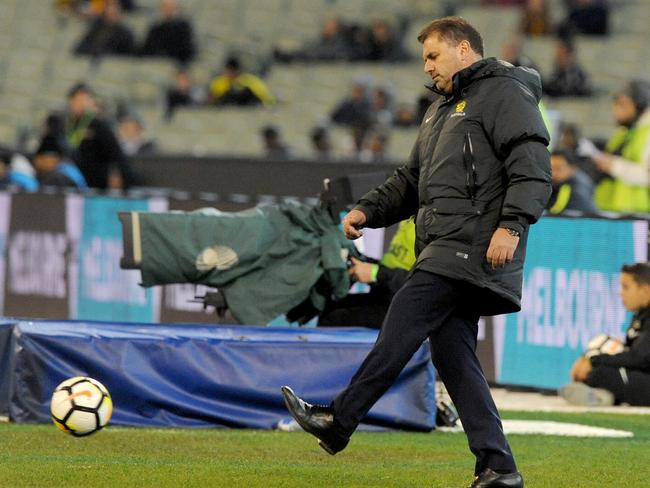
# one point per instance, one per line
(547, 427)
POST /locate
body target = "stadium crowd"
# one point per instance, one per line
(609, 173)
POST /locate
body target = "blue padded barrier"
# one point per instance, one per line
(207, 376)
(6, 366)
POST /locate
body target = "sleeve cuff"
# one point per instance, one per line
(596, 360)
(367, 212)
(373, 273)
(514, 225)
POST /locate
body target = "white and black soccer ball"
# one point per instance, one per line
(603, 344)
(81, 406)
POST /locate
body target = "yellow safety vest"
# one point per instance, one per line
(615, 195)
(401, 251)
(562, 199)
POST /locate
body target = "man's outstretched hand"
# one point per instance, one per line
(352, 224)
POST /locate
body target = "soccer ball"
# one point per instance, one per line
(603, 344)
(81, 406)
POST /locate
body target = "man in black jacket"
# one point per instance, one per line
(605, 379)
(107, 35)
(93, 144)
(172, 36)
(478, 176)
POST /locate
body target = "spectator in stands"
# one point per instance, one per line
(11, 177)
(536, 18)
(374, 148)
(171, 36)
(407, 115)
(569, 137)
(321, 143)
(580, 149)
(572, 188)
(95, 147)
(569, 79)
(184, 93)
(607, 379)
(382, 106)
(107, 34)
(355, 111)
(131, 134)
(91, 8)
(127, 5)
(235, 87)
(274, 147)
(53, 168)
(385, 278)
(512, 52)
(379, 43)
(627, 158)
(54, 127)
(332, 45)
(589, 17)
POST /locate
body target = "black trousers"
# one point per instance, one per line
(438, 308)
(628, 385)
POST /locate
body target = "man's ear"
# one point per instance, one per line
(465, 48)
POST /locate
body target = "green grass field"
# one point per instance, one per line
(42, 456)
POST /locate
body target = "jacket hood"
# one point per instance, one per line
(491, 67)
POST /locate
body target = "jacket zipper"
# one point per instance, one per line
(470, 167)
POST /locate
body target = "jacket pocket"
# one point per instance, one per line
(449, 219)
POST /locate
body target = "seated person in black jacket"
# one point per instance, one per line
(569, 79)
(171, 36)
(54, 168)
(607, 379)
(589, 17)
(107, 34)
(384, 278)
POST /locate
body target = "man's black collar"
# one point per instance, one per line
(465, 76)
(643, 314)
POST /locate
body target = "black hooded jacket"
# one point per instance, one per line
(480, 162)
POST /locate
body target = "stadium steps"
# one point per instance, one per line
(37, 69)
(232, 131)
(495, 25)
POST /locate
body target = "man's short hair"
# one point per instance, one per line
(80, 87)
(640, 272)
(233, 63)
(270, 132)
(454, 30)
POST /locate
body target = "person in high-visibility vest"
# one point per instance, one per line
(385, 278)
(572, 188)
(627, 158)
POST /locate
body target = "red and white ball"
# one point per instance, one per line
(81, 406)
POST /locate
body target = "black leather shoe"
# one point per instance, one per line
(492, 479)
(317, 420)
